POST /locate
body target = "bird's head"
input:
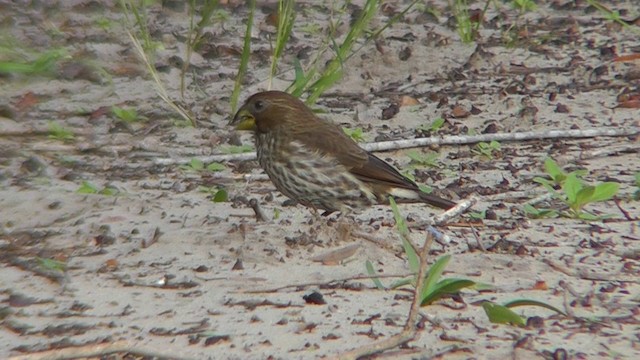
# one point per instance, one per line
(266, 111)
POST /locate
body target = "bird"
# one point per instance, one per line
(313, 162)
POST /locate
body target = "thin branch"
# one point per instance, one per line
(299, 286)
(519, 136)
(94, 350)
(446, 216)
(445, 140)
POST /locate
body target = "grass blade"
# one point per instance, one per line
(244, 60)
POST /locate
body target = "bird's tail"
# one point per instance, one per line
(417, 195)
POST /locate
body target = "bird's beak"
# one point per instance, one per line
(244, 120)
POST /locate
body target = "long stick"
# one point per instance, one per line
(444, 140)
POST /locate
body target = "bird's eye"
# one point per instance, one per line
(258, 105)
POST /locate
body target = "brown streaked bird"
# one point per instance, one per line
(315, 163)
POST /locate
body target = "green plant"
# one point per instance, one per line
(612, 15)
(43, 64)
(128, 116)
(216, 194)
(636, 195)
(410, 176)
(356, 134)
(315, 82)
(463, 21)
(196, 165)
(478, 215)
(435, 287)
(51, 264)
(244, 58)
(333, 71)
(207, 11)
(436, 125)
(103, 22)
(59, 132)
(310, 28)
(502, 314)
(286, 18)
(146, 50)
(573, 191)
(523, 5)
(89, 188)
(419, 159)
(487, 150)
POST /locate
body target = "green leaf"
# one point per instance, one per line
(374, 277)
(499, 314)
(215, 166)
(356, 134)
(235, 149)
(400, 283)
(484, 287)
(109, 191)
(547, 184)
(530, 210)
(51, 264)
(478, 215)
(87, 188)
(220, 196)
(300, 79)
(126, 115)
(409, 175)
(59, 132)
(605, 191)
(244, 58)
(428, 159)
(583, 215)
(401, 225)
(556, 173)
(539, 213)
(434, 274)
(583, 197)
(571, 187)
(445, 287)
(529, 302)
(196, 164)
(412, 256)
(437, 124)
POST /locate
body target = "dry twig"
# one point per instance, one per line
(445, 140)
(94, 350)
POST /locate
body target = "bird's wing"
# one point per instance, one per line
(328, 139)
(364, 165)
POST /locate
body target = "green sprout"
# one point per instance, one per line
(356, 134)
(59, 132)
(125, 115)
(573, 192)
(488, 150)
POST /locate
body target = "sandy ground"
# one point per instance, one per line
(163, 268)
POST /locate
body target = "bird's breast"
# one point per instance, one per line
(308, 176)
